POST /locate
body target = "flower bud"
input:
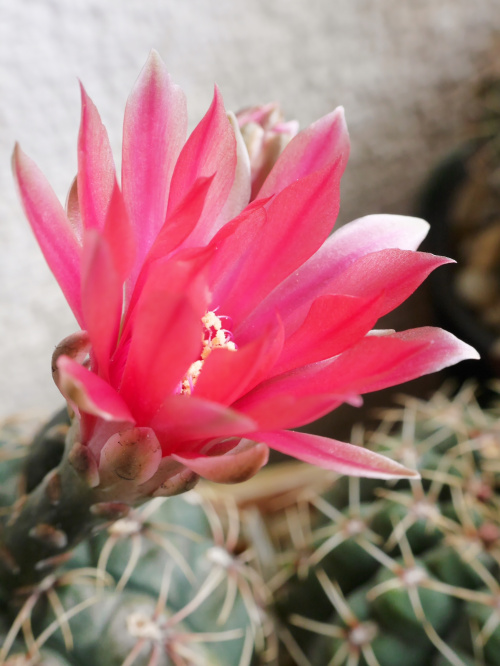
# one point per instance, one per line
(266, 134)
(128, 459)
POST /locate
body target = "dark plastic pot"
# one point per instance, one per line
(452, 313)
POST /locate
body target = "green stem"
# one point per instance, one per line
(46, 450)
(46, 524)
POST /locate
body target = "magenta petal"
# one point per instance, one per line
(209, 151)
(51, 228)
(178, 225)
(299, 220)
(189, 262)
(381, 361)
(90, 393)
(227, 374)
(373, 364)
(393, 275)
(333, 324)
(235, 466)
(373, 233)
(388, 276)
(337, 456)
(118, 233)
(273, 411)
(235, 248)
(184, 418)
(154, 132)
(324, 142)
(102, 297)
(96, 170)
(166, 335)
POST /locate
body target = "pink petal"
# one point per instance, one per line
(298, 221)
(235, 246)
(280, 410)
(324, 142)
(96, 170)
(392, 275)
(209, 151)
(184, 418)
(197, 258)
(102, 297)
(90, 393)
(226, 375)
(337, 456)
(333, 324)
(238, 465)
(154, 132)
(375, 363)
(381, 361)
(119, 235)
(176, 229)
(51, 228)
(165, 336)
(369, 234)
(388, 276)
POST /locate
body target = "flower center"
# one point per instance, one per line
(213, 336)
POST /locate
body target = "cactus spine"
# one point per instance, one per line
(294, 567)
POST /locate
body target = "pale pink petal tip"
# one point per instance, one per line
(372, 233)
(235, 466)
(154, 60)
(51, 227)
(457, 350)
(473, 354)
(337, 456)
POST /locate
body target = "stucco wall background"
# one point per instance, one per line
(402, 69)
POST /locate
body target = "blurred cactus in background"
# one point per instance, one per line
(296, 566)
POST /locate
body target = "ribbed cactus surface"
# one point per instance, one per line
(296, 566)
(403, 574)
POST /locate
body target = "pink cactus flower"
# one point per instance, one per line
(212, 324)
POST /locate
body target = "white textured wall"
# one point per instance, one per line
(402, 69)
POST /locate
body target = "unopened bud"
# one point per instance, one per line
(76, 346)
(129, 458)
(266, 134)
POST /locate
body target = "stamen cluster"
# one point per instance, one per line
(213, 337)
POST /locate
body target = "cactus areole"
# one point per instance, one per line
(216, 313)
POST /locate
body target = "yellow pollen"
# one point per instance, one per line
(211, 320)
(213, 336)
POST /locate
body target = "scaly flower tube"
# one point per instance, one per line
(215, 320)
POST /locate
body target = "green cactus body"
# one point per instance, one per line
(171, 591)
(422, 562)
(290, 571)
